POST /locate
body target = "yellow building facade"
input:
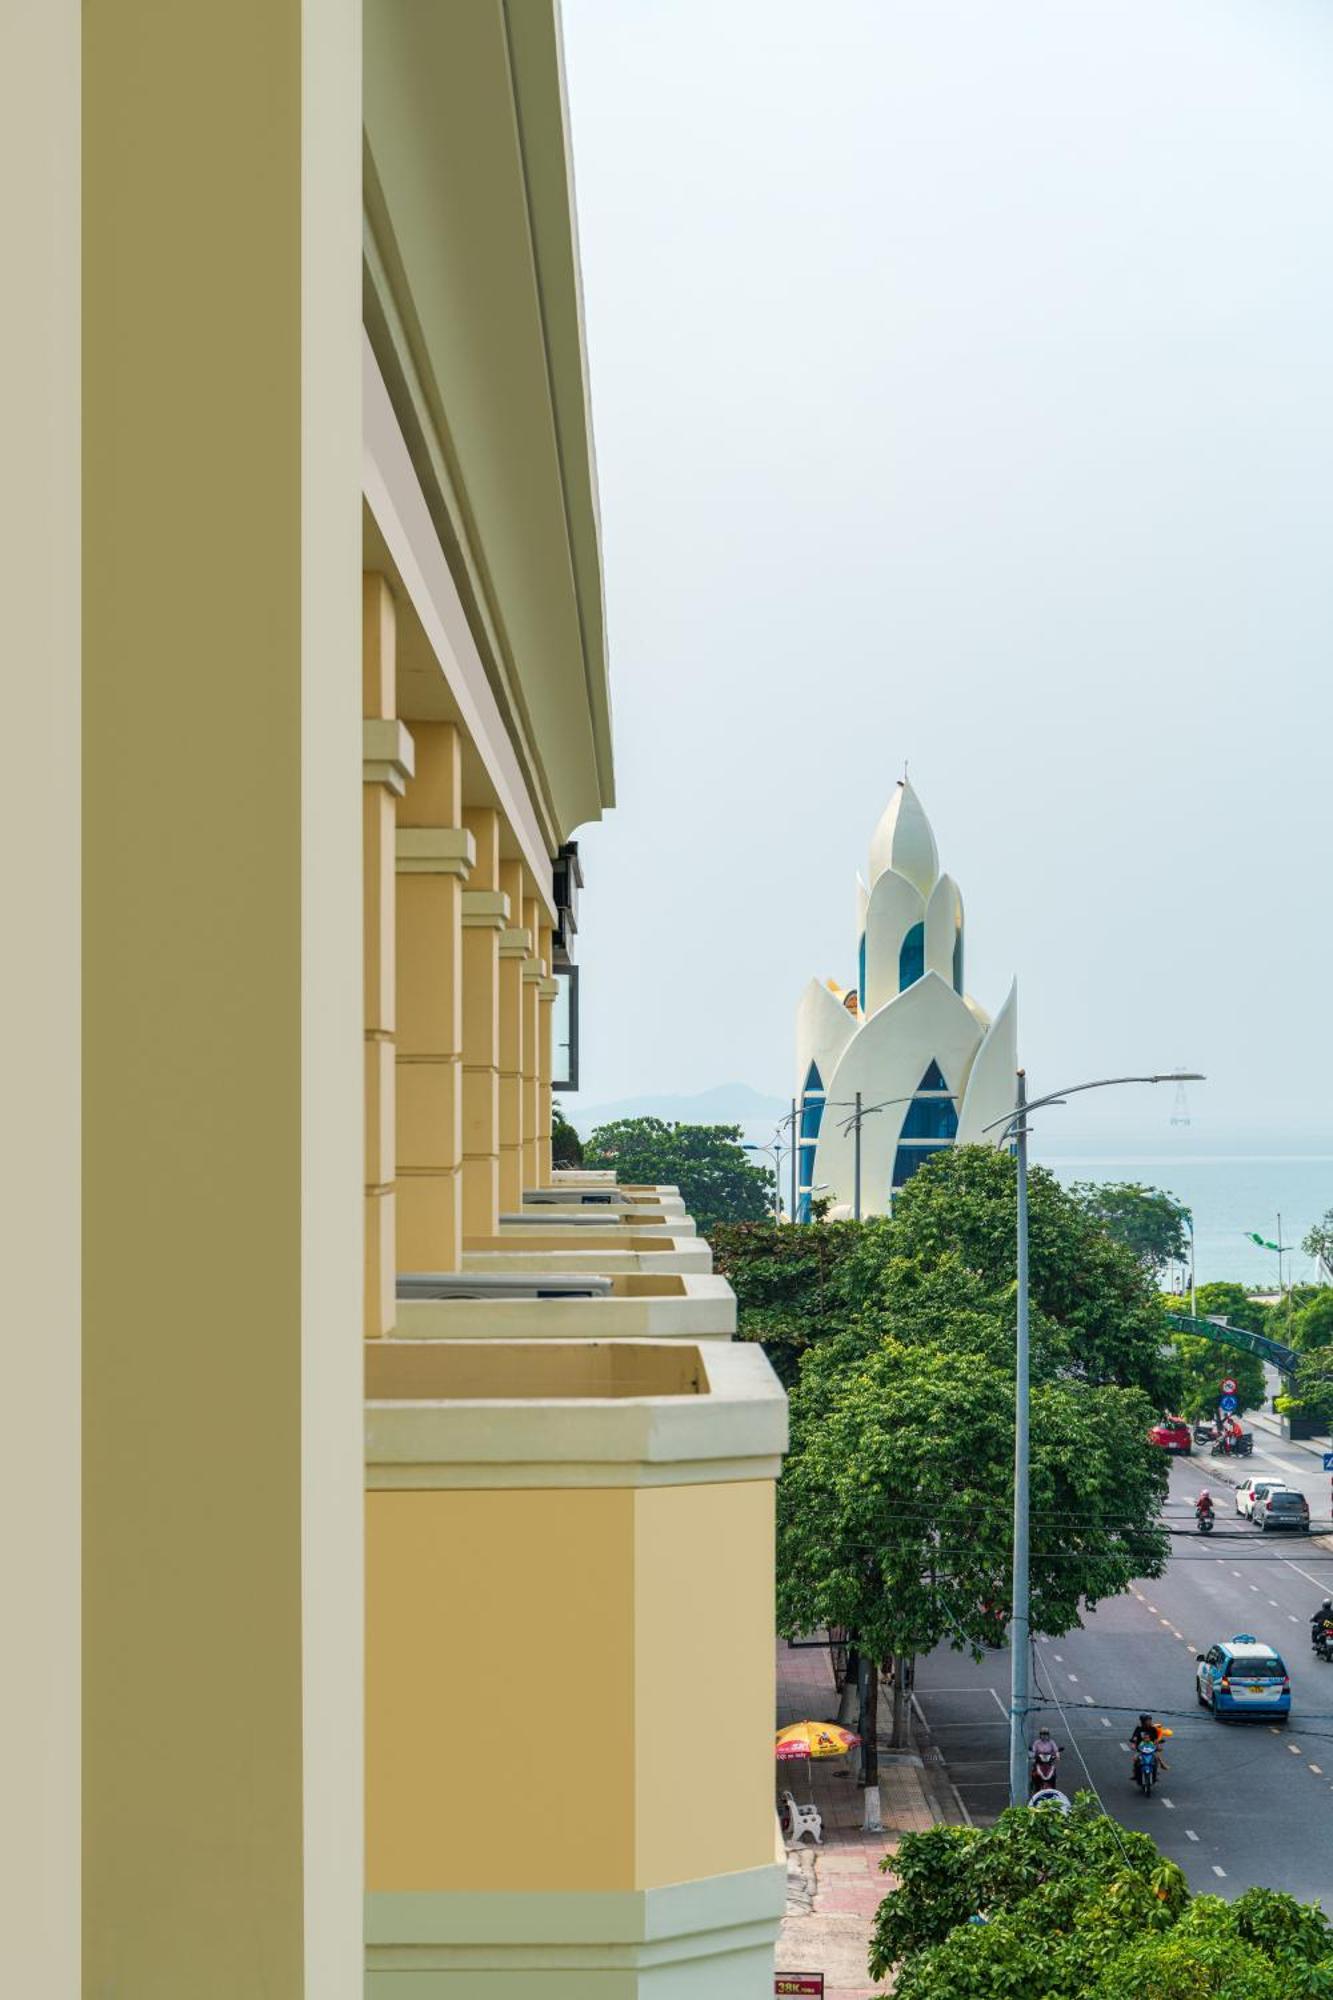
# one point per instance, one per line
(421, 1500)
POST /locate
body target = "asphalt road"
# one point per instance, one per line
(1240, 1803)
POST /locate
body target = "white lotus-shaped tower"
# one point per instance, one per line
(907, 1035)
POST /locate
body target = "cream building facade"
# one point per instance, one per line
(389, 1519)
(929, 1066)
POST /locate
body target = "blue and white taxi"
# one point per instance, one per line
(1242, 1676)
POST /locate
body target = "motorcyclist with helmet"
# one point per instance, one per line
(1044, 1761)
(1203, 1507)
(1148, 1731)
(1321, 1629)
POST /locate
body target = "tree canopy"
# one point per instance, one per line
(894, 1507)
(706, 1162)
(566, 1146)
(1148, 1221)
(1050, 1906)
(786, 1284)
(1201, 1365)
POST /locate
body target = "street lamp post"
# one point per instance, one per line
(776, 1148)
(1015, 1125)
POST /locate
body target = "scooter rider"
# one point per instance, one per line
(1322, 1618)
(1045, 1757)
(1204, 1504)
(1148, 1731)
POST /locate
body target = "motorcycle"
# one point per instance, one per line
(1145, 1767)
(1041, 1775)
(1204, 1521)
(1240, 1447)
(1321, 1640)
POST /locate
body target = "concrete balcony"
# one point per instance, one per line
(645, 1220)
(570, 1669)
(610, 1197)
(666, 1306)
(613, 1250)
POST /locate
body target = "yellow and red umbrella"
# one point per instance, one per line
(814, 1739)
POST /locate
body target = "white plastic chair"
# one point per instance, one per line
(802, 1820)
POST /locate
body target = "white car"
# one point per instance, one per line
(1251, 1490)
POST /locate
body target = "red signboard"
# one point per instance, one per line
(800, 1982)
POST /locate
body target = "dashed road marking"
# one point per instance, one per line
(1315, 1768)
(1060, 1657)
(1235, 1572)
(1295, 1749)
(1189, 1648)
(1255, 1588)
(1190, 1834)
(1170, 1804)
(1088, 1699)
(1166, 1622)
(1220, 1872)
(1294, 1619)
(1072, 1677)
(1106, 1722)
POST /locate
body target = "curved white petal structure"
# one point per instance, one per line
(904, 842)
(887, 1058)
(895, 905)
(944, 927)
(823, 1029)
(990, 1088)
(885, 1049)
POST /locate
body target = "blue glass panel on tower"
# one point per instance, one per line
(931, 1117)
(861, 973)
(912, 957)
(958, 961)
(908, 1158)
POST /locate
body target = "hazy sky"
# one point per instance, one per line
(962, 379)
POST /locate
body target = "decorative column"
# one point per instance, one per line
(514, 949)
(435, 854)
(548, 988)
(532, 977)
(485, 919)
(222, 1034)
(386, 766)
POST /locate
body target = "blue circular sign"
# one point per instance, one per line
(1227, 1403)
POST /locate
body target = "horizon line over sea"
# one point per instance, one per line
(1229, 1195)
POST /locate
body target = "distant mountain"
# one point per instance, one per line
(724, 1104)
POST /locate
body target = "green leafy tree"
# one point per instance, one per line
(1318, 1241)
(962, 1203)
(1311, 1324)
(566, 1145)
(1148, 1221)
(706, 1162)
(1073, 1907)
(1224, 1299)
(1314, 1398)
(786, 1286)
(1200, 1367)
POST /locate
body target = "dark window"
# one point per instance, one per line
(861, 972)
(958, 961)
(812, 1112)
(912, 957)
(931, 1124)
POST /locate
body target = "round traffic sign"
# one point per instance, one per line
(1227, 1403)
(1228, 1386)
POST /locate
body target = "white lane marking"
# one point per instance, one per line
(1088, 1699)
(1295, 1750)
(1170, 1804)
(1220, 1872)
(1294, 1619)
(1255, 1588)
(998, 1703)
(1166, 1622)
(1190, 1834)
(1177, 1635)
(1125, 1748)
(1060, 1657)
(1235, 1572)
(1316, 1580)
(1106, 1722)
(1315, 1768)
(1191, 1649)
(1072, 1677)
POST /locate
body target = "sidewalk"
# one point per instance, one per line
(834, 1891)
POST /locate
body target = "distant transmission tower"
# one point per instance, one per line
(1180, 1109)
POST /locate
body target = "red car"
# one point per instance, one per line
(1173, 1434)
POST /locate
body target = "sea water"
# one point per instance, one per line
(1229, 1195)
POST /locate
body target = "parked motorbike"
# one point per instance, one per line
(1240, 1447)
(1145, 1767)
